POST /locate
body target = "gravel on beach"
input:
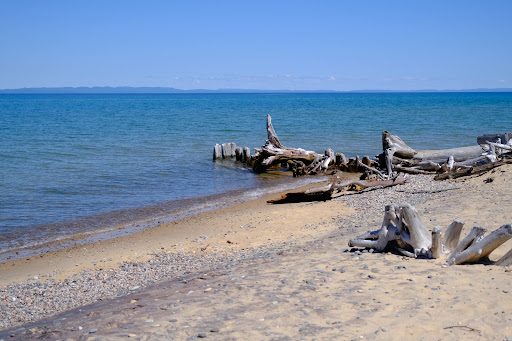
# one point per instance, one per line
(36, 299)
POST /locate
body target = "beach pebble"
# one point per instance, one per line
(201, 335)
(94, 330)
(214, 330)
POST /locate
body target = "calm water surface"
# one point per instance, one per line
(82, 163)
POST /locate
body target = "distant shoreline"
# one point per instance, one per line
(166, 90)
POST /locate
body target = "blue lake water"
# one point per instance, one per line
(83, 163)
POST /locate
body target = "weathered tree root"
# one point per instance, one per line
(402, 225)
(274, 153)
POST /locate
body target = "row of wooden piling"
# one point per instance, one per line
(230, 150)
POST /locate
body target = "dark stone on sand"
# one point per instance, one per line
(214, 330)
(201, 335)
(173, 320)
(94, 330)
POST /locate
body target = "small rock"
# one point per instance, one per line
(371, 276)
(92, 331)
(411, 279)
(201, 335)
(214, 330)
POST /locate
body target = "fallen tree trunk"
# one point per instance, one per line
(325, 192)
(424, 160)
(476, 170)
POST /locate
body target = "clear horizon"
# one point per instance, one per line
(284, 45)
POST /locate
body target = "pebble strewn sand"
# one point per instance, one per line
(299, 284)
(34, 300)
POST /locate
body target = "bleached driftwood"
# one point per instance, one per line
(273, 152)
(425, 160)
(452, 236)
(506, 260)
(403, 225)
(437, 242)
(481, 247)
(476, 170)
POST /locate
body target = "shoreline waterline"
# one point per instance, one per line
(110, 225)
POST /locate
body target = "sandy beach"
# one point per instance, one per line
(257, 271)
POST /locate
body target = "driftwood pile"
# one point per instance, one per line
(488, 153)
(491, 150)
(402, 229)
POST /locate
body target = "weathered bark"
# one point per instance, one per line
(481, 247)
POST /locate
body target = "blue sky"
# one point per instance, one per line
(306, 45)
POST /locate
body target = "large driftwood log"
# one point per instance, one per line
(424, 160)
(403, 225)
(273, 152)
(476, 170)
(325, 193)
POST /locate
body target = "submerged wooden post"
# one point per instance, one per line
(246, 154)
(238, 154)
(217, 152)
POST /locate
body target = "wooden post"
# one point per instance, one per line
(437, 242)
(452, 236)
(238, 154)
(217, 152)
(246, 154)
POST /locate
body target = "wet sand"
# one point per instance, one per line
(276, 272)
